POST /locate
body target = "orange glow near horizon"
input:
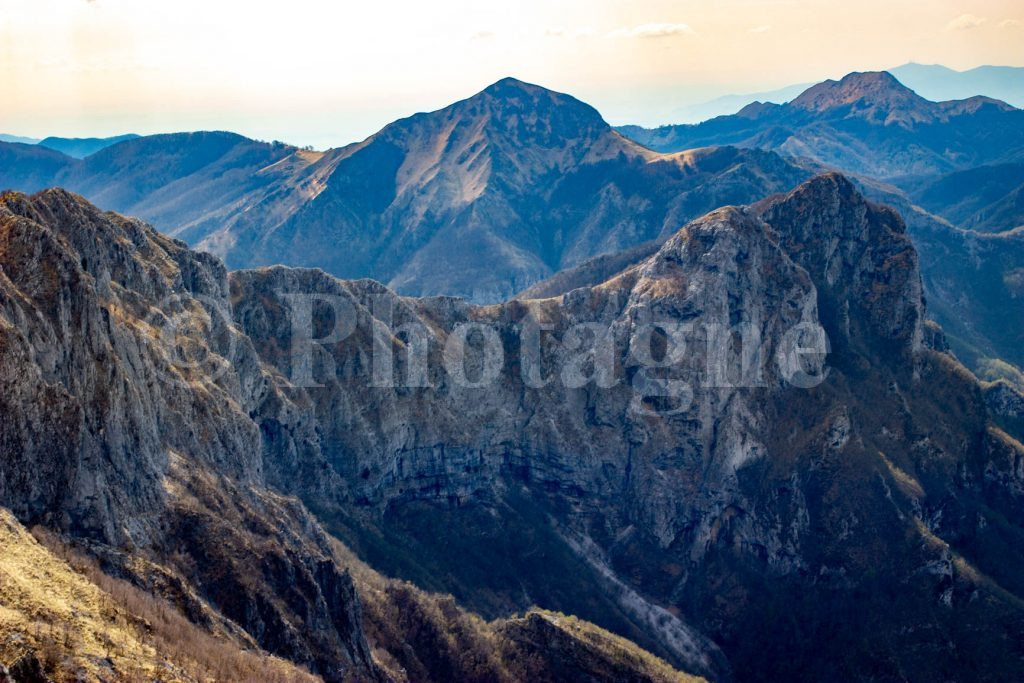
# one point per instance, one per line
(329, 73)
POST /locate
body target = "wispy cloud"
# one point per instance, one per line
(653, 31)
(965, 22)
(482, 35)
(1010, 23)
(760, 29)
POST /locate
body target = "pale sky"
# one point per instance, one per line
(328, 73)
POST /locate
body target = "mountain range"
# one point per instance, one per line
(867, 523)
(479, 199)
(502, 394)
(79, 148)
(865, 123)
(932, 81)
(493, 194)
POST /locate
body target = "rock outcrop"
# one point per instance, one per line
(124, 425)
(142, 426)
(718, 484)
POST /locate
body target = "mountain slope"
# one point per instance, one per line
(482, 198)
(61, 617)
(985, 198)
(30, 168)
(105, 437)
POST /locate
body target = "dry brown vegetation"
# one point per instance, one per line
(62, 613)
(421, 636)
(57, 606)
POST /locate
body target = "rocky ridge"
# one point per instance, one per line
(678, 502)
(755, 483)
(142, 426)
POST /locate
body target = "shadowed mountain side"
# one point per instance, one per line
(590, 273)
(141, 426)
(851, 507)
(29, 167)
(986, 198)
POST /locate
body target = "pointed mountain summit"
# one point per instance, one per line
(872, 89)
(511, 132)
(879, 97)
(487, 196)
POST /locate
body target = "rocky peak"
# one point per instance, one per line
(872, 89)
(878, 97)
(858, 254)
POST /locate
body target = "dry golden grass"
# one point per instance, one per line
(84, 625)
(616, 648)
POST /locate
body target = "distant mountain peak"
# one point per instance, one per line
(870, 88)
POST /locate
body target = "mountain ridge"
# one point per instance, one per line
(172, 473)
(641, 512)
(866, 123)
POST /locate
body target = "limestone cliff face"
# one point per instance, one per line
(141, 423)
(766, 272)
(718, 490)
(738, 451)
(125, 424)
